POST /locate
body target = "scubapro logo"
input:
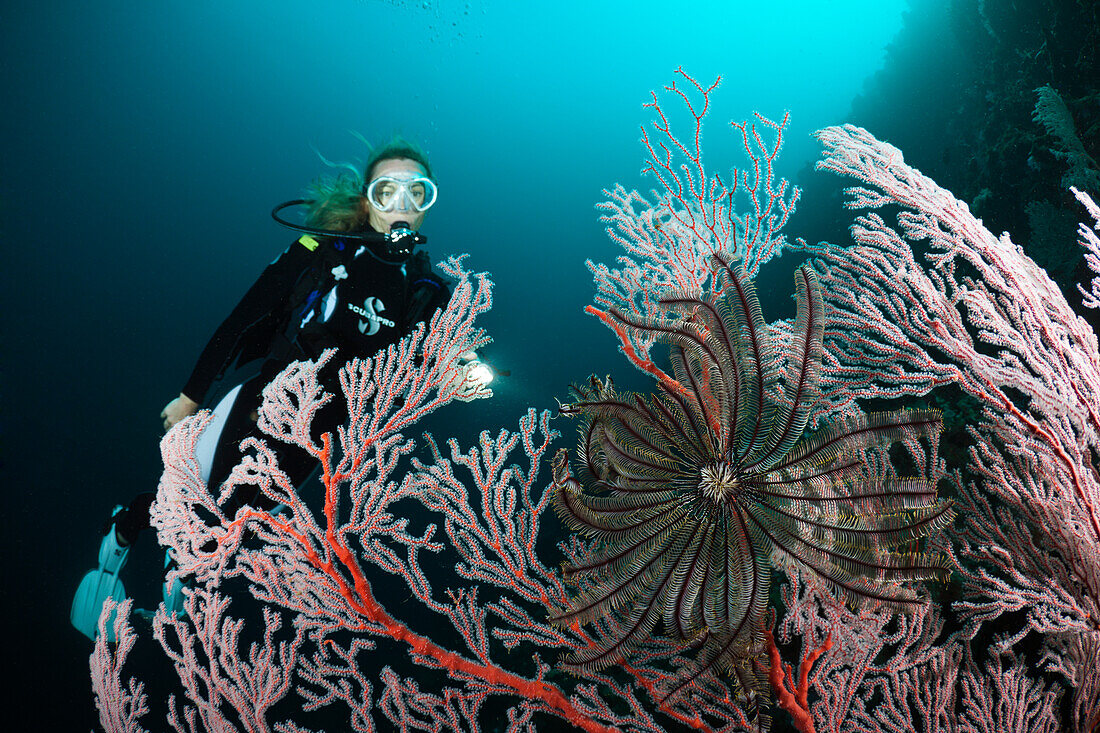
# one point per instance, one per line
(371, 308)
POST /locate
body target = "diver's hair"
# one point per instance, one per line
(337, 200)
(399, 147)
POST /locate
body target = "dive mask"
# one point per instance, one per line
(388, 193)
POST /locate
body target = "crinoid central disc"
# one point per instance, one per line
(718, 481)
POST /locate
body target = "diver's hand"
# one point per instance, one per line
(179, 408)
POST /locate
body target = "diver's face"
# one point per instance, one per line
(382, 221)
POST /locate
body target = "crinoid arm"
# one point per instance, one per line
(856, 530)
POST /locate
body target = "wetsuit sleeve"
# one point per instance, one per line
(443, 298)
(254, 323)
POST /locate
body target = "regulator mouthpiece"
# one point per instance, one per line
(401, 241)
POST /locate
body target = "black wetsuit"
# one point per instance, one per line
(320, 293)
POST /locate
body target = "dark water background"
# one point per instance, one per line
(144, 144)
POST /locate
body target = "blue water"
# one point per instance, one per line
(145, 143)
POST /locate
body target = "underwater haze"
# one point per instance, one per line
(146, 143)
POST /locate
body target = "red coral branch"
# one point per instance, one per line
(794, 698)
(646, 365)
(363, 600)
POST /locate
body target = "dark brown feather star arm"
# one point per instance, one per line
(681, 424)
(791, 414)
(753, 352)
(854, 433)
(655, 577)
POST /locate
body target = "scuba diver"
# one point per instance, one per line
(351, 281)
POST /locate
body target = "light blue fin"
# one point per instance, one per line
(172, 594)
(99, 585)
